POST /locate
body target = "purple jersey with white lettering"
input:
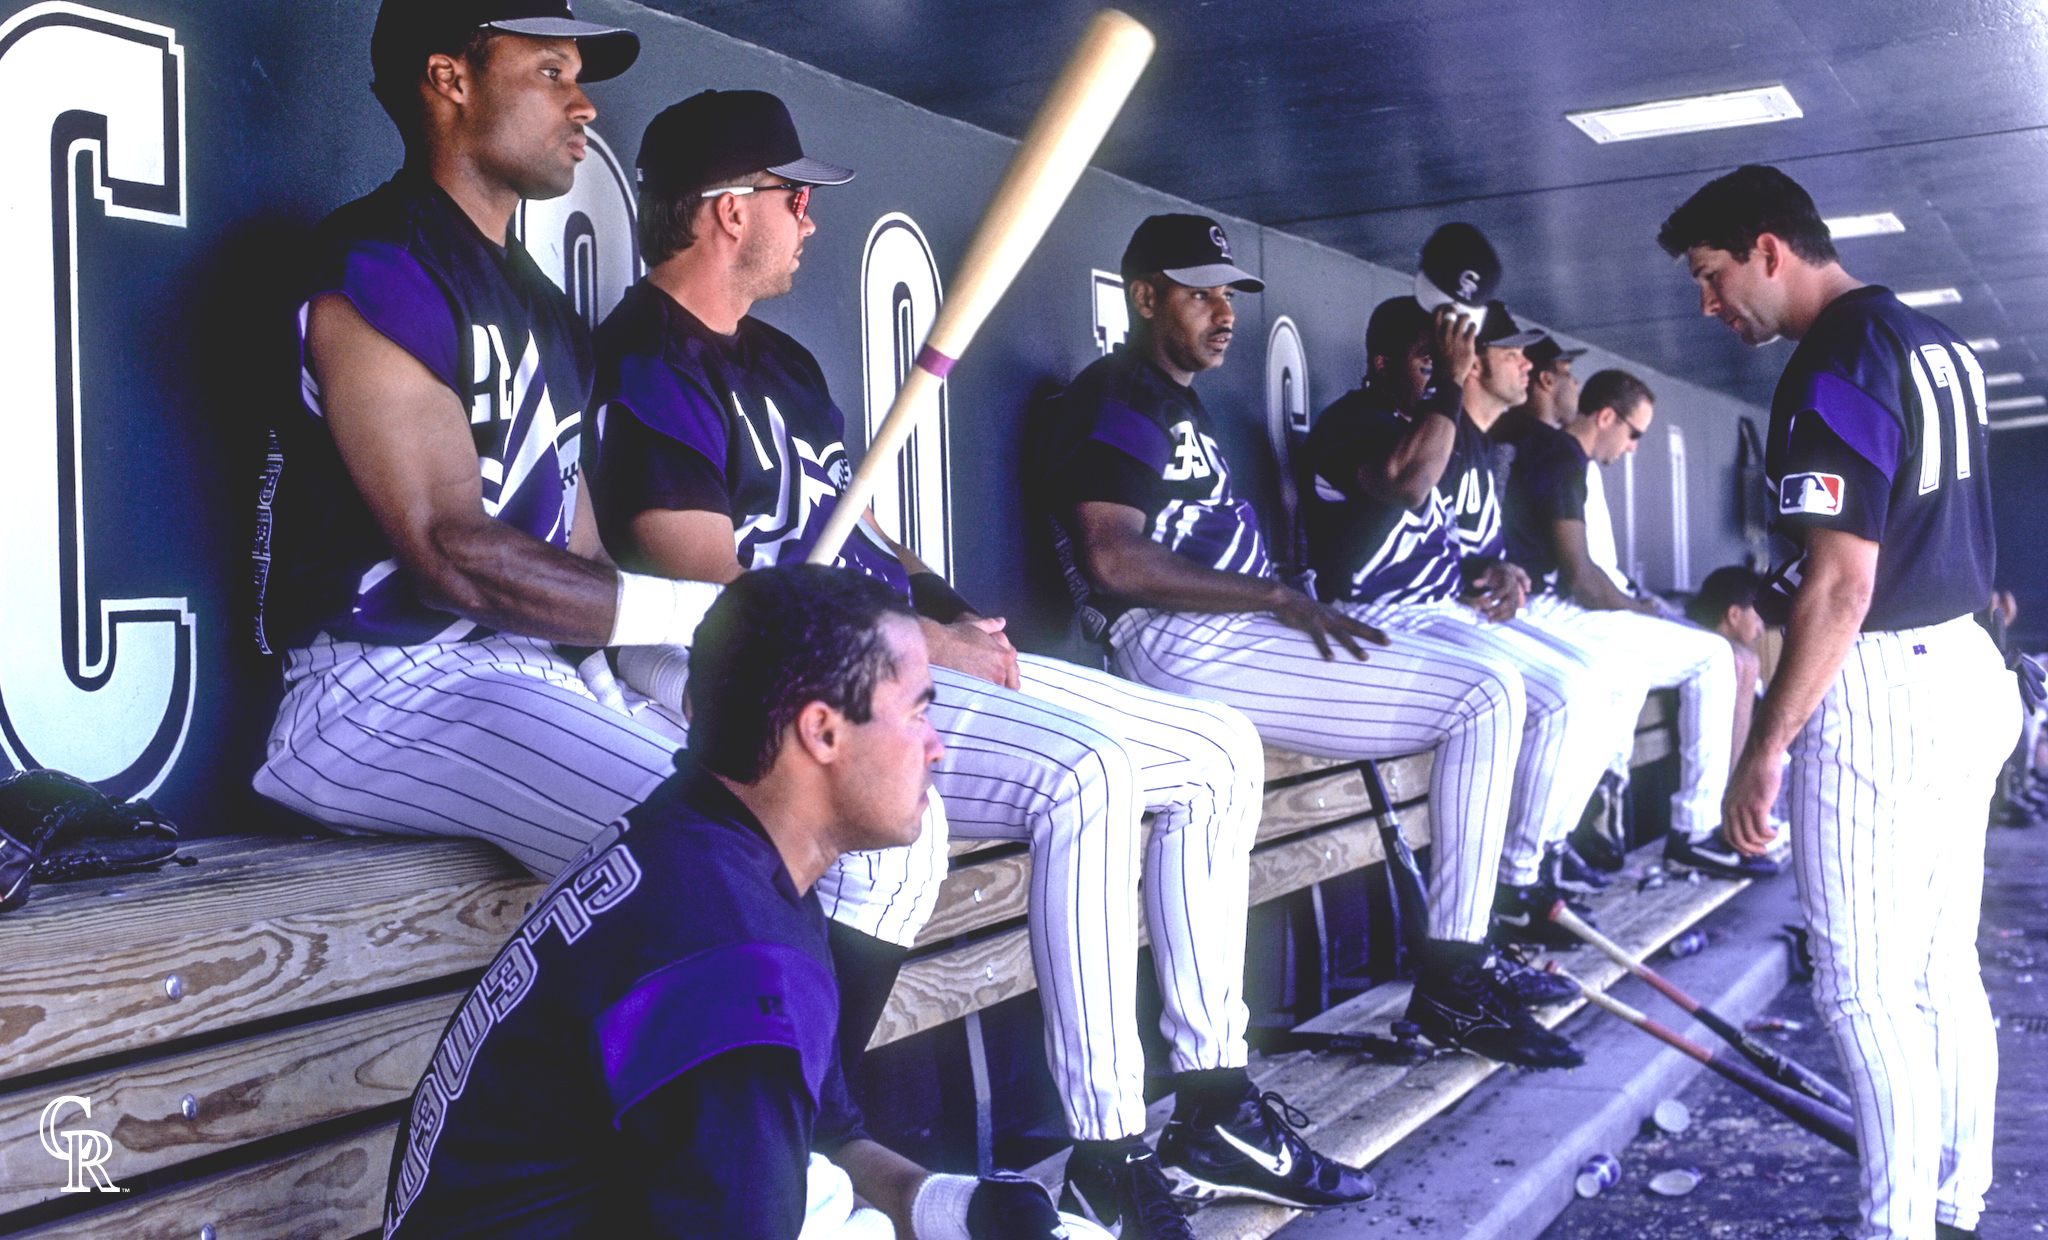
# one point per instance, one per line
(1879, 428)
(1124, 433)
(487, 323)
(1364, 550)
(691, 420)
(653, 1053)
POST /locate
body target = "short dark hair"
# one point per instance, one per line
(400, 97)
(1730, 212)
(668, 216)
(1396, 324)
(1613, 389)
(1732, 586)
(777, 640)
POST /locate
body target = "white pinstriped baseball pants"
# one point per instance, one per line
(495, 739)
(1577, 701)
(1888, 791)
(1418, 694)
(1665, 654)
(1071, 764)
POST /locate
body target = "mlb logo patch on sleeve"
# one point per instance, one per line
(1818, 495)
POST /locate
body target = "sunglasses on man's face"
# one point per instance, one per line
(1634, 432)
(800, 195)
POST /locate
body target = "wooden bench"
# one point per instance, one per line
(250, 1029)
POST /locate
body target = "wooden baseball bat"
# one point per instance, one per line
(1070, 124)
(1828, 1123)
(1773, 1063)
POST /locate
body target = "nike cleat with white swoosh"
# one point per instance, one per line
(1251, 1149)
(1124, 1192)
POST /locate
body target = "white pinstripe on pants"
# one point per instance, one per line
(495, 739)
(1666, 654)
(1889, 788)
(1575, 698)
(1071, 765)
(1419, 694)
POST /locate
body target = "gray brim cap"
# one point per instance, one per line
(607, 51)
(1213, 274)
(810, 171)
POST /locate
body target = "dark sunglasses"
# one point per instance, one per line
(799, 202)
(1634, 432)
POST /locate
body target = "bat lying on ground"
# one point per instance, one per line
(1771, 1063)
(1828, 1123)
(1069, 126)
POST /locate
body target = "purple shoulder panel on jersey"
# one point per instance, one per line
(661, 399)
(681, 1015)
(1132, 433)
(395, 295)
(1857, 418)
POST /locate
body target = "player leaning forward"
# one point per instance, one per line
(722, 453)
(1893, 704)
(652, 1052)
(1173, 575)
(434, 539)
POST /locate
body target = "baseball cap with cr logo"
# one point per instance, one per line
(1188, 249)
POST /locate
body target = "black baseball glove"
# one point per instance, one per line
(58, 828)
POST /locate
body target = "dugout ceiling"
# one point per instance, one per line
(1363, 125)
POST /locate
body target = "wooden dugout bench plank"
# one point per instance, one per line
(264, 929)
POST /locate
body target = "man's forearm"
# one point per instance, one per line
(1148, 575)
(1827, 615)
(883, 1178)
(1416, 464)
(496, 575)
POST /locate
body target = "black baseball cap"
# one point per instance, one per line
(1498, 330)
(1458, 266)
(1547, 352)
(1190, 250)
(716, 135)
(409, 31)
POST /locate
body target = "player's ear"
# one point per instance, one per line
(1144, 297)
(448, 77)
(1773, 251)
(819, 731)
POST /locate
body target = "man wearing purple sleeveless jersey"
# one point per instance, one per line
(722, 455)
(431, 539)
(1893, 704)
(1169, 568)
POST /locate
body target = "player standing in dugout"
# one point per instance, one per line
(1893, 704)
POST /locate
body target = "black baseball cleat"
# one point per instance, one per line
(1564, 869)
(1124, 1192)
(1466, 1007)
(1251, 1149)
(1532, 988)
(1716, 856)
(1522, 915)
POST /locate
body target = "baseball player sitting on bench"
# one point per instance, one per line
(1403, 518)
(652, 1052)
(1726, 603)
(1892, 702)
(1172, 570)
(1546, 527)
(433, 537)
(722, 454)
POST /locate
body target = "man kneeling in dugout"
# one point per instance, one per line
(653, 1053)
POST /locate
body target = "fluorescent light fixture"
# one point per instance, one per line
(2007, 379)
(1983, 344)
(1848, 227)
(2016, 424)
(1923, 297)
(1692, 115)
(2011, 403)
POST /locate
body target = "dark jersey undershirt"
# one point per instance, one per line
(1546, 484)
(652, 1054)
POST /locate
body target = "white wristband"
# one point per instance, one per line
(656, 611)
(658, 672)
(940, 1209)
